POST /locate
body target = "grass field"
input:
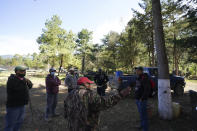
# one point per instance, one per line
(193, 81)
(122, 117)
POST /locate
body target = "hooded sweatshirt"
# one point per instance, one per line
(17, 91)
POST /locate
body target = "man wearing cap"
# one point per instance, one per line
(101, 80)
(142, 90)
(82, 106)
(17, 97)
(76, 73)
(52, 89)
(71, 80)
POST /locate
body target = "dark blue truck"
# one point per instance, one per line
(177, 83)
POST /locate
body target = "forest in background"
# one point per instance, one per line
(134, 46)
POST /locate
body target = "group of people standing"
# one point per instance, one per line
(82, 106)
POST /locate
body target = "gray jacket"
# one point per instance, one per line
(71, 81)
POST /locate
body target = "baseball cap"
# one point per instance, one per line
(71, 69)
(52, 70)
(20, 68)
(83, 80)
(140, 68)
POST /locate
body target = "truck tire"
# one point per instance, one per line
(178, 90)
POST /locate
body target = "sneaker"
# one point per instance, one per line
(138, 127)
(47, 119)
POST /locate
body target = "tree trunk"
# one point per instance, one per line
(175, 58)
(176, 65)
(149, 56)
(83, 64)
(115, 62)
(61, 63)
(48, 65)
(164, 91)
(152, 49)
(53, 62)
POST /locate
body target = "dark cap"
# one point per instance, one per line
(140, 68)
(20, 68)
(52, 70)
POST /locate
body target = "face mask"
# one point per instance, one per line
(52, 73)
(21, 75)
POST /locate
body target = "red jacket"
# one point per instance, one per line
(52, 84)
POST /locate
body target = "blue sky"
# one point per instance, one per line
(21, 21)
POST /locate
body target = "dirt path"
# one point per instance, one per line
(191, 86)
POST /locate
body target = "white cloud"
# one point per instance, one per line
(11, 45)
(117, 24)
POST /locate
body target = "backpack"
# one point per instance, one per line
(152, 85)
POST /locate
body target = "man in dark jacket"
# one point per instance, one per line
(17, 97)
(142, 90)
(52, 88)
(101, 80)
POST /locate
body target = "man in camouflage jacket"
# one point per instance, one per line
(82, 106)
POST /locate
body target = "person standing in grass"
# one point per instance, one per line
(52, 89)
(142, 91)
(17, 97)
(71, 80)
(101, 80)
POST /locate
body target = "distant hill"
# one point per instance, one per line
(6, 56)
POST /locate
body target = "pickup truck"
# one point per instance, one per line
(177, 83)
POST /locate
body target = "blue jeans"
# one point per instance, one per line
(14, 118)
(142, 109)
(51, 104)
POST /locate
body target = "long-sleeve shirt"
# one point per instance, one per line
(71, 81)
(52, 84)
(142, 88)
(17, 91)
(101, 79)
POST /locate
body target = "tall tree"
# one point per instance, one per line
(84, 44)
(144, 26)
(65, 47)
(49, 40)
(130, 46)
(17, 60)
(173, 29)
(111, 43)
(164, 91)
(55, 43)
(190, 38)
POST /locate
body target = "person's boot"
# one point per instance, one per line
(48, 119)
